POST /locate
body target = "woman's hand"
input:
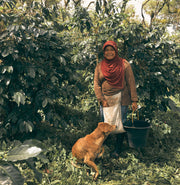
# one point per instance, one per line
(105, 103)
(134, 106)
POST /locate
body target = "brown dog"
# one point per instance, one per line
(88, 148)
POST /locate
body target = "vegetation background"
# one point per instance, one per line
(48, 53)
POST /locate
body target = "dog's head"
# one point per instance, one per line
(106, 127)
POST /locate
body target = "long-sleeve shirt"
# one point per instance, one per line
(101, 86)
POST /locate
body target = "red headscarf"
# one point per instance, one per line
(113, 70)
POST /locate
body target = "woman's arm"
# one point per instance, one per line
(130, 80)
(98, 88)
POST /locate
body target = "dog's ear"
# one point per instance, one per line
(100, 123)
(104, 127)
(101, 126)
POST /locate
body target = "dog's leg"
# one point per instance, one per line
(75, 164)
(101, 153)
(93, 166)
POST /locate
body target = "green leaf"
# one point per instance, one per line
(5, 53)
(1, 101)
(44, 103)
(42, 32)
(9, 174)
(54, 80)
(24, 151)
(4, 34)
(62, 60)
(12, 117)
(11, 28)
(19, 98)
(56, 181)
(41, 71)
(31, 73)
(26, 126)
(43, 158)
(7, 81)
(9, 69)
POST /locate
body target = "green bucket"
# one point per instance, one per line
(137, 132)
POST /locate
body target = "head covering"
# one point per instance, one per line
(113, 70)
(110, 43)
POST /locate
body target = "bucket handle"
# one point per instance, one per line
(137, 113)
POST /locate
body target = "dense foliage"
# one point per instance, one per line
(36, 71)
(47, 60)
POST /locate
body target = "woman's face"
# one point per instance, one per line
(109, 53)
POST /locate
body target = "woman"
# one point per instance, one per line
(115, 89)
